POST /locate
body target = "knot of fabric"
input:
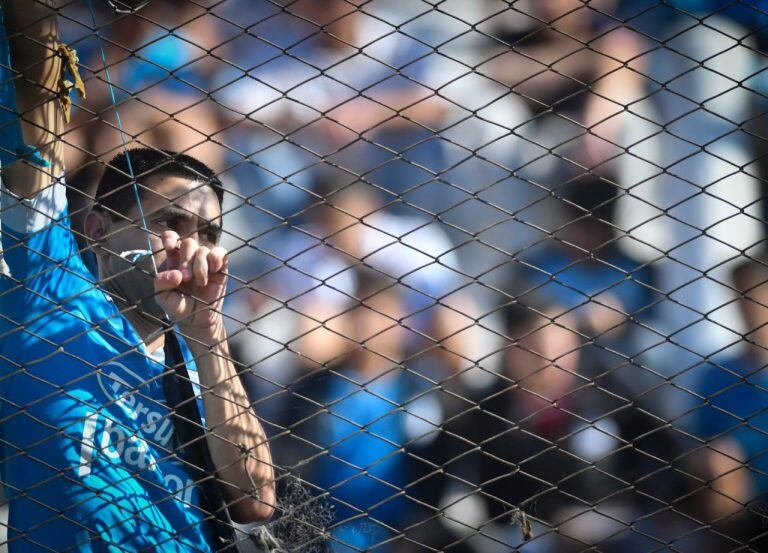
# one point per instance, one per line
(69, 68)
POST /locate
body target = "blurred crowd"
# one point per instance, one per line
(477, 288)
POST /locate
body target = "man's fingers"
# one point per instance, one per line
(200, 266)
(217, 260)
(170, 241)
(168, 280)
(187, 251)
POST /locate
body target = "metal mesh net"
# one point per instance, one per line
(496, 275)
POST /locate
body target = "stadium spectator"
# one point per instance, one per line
(303, 301)
(558, 47)
(692, 180)
(292, 98)
(730, 420)
(413, 168)
(376, 411)
(548, 442)
(563, 63)
(104, 444)
(611, 295)
(582, 267)
(324, 90)
(160, 79)
(348, 226)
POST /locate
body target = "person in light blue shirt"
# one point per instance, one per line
(103, 445)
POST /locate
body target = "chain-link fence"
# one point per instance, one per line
(496, 276)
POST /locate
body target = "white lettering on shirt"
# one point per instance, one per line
(105, 437)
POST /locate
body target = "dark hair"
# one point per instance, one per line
(590, 194)
(371, 283)
(535, 311)
(519, 318)
(115, 192)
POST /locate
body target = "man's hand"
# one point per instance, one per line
(190, 286)
(34, 39)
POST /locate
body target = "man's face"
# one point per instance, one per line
(546, 359)
(188, 207)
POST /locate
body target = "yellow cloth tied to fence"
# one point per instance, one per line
(70, 66)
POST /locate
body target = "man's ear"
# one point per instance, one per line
(96, 226)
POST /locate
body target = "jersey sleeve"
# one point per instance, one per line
(38, 245)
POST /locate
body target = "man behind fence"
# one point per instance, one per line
(102, 445)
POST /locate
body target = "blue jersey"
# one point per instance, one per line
(86, 442)
(363, 433)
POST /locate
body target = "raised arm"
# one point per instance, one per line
(34, 38)
(191, 291)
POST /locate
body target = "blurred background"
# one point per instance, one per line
(494, 264)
